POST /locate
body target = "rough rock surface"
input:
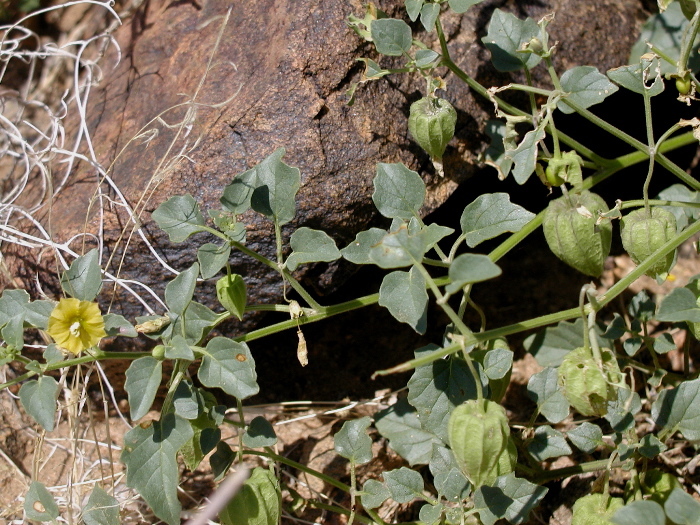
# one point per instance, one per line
(278, 79)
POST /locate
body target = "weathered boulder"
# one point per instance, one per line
(183, 114)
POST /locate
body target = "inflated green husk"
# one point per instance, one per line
(431, 122)
(592, 510)
(644, 232)
(257, 503)
(574, 237)
(586, 387)
(479, 436)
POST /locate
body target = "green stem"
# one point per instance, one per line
(288, 276)
(591, 466)
(545, 320)
(652, 148)
(286, 461)
(241, 431)
(353, 490)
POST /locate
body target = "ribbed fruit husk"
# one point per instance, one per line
(586, 386)
(574, 237)
(479, 435)
(643, 232)
(431, 122)
(595, 509)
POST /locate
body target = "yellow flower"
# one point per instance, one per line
(76, 325)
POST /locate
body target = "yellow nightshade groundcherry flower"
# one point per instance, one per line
(76, 325)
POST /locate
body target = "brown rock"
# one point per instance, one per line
(278, 79)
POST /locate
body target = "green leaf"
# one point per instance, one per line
(425, 58)
(13, 332)
(400, 425)
(447, 477)
(586, 437)
(428, 15)
(404, 295)
(621, 411)
(205, 438)
(665, 32)
(511, 498)
(525, 155)
(642, 307)
(179, 217)
(551, 345)
(53, 354)
(679, 192)
(150, 456)
(490, 215)
(198, 320)
(650, 446)
(461, 6)
(548, 443)
(185, 400)
(101, 509)
(431, 514)
(504, 38)
(179, 349)
(259, 502)
(116, 324)
(311, 246)
(143, 377)
(404, 484)
(681, 508)
(179, 291)
(495, 154)
(585, 86)
(413, 8)
(212, 258)
(221, 460)
(373, 71)
(544, 390)
(391, 37)
(374, 493)
(352, 441)
(38, 397)
(232, 294)
(276, 186)
(83, 279)
(13, 303)
(398, 248)
(679, 409)
(236, 196)
(470, 268)
(664, 343)
(632, 77)
(37, 313)
(259, 434)
(398, 192)
(229, 365)
(498, 362)
(39, 504)
(358, 251)
(679, 305)
(640, 513)
(431, 234)
(436, 389)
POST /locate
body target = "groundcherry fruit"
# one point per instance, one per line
(572, 234)
(479, 436)
(643, 232)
